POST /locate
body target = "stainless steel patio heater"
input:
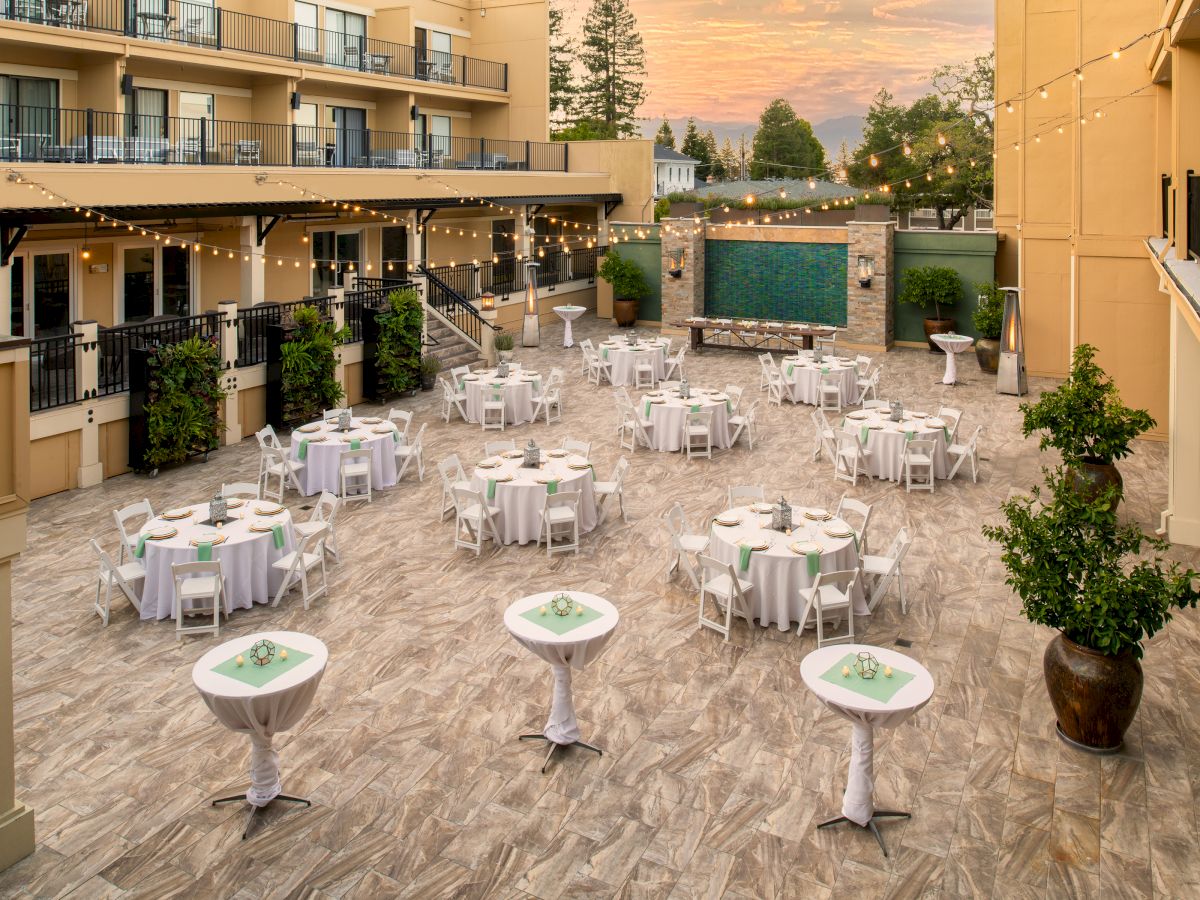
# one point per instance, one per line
(1010, 377)
(531, 330)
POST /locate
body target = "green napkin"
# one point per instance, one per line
(537, 385)
(395, 435)
(552, 486)
(854, 535)
(814, 562)
(604, 353)
(908, 434)
(491, 495)
(303, 451)
(204, 551)
(790, 369)
(355, 444)
(277, 535)
(946, 432)
(695, 407)
(824, 370)
(864, 434)
(140, 550)
(592, 469)
(743, 557)
(646, 410)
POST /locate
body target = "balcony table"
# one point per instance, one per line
(796, 334)
(155, 26)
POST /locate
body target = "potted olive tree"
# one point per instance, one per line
(1080, 571)
(988, 317)
(504, 345)
(936, 286)
(628, 286)
(1084, 419)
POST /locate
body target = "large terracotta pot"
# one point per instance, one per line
(937, 326)
(625, 312)
(987, 351)
(1091, 476)
(1094, 696)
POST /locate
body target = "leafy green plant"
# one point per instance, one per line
(1083, 418)
(398, 353)
(989, 314)
(183, 397)
(309, 364)
(935, 286)
(627, 280)
(1075, 569)
(662, 208)
(503, 341)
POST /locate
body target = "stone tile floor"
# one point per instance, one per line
(718, 761)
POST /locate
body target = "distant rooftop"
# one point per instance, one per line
(797, 189)
(666, 154)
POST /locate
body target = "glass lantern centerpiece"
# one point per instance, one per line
(218, 509)
(897, 411)
(344, 420)
(781, 515)
(685, 390)
(502, 369)
(631, 337)
(533, 455)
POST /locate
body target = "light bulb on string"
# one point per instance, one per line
(1043, 93)
(1008, 106)
(941, 139)
(907, 149)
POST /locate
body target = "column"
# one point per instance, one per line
(337, 308)
(227, 310)
(682, 251)
(414, 242)
(87, 380)
(6, 298)
(601, 226)
(487, 338)
(16, 819)
(524, 244)
(253, 271)
(870, 311)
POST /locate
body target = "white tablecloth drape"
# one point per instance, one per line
(521, 500)
(568, 314)
(952, 345)
(668, 417)
(261, 712)
(572, 650)
(518, 388)
(802, 378)
(323, 458)
(625, 359)
(887, 443)
(866, 714)
(246, 556)
(777, 573)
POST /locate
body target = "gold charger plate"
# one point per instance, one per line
(262, 527)
(309, 429)
(514, 454)
(347, 438)
(834, 532)
(486, 465)
(234, 502)
(268, 510)
(580, 466)
(502, 478)
(876, 426)
(858, 416)
(935, 423)
(761, 507)
(817, 515)
(382, 430)
(319, 440)
(371, 420)
(728, 521)
(161, 534)
(761, 545)
(802, 547)
(557, 454)
(212, 538)
(470, 378)
(174, 515)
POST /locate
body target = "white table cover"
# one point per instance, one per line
(521, 500)
(626, 359)
(261, 712)
(572, 650)
(568, 314)
(668, 417)
(866, 714)
(519, 389)
(322, 460)
(887, 443)
(246, 556)
(802, 378)
(952, 345)
(777, 573)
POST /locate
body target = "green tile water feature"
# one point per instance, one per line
(766, 280)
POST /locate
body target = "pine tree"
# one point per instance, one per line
(562, 78)
(729, 161)
(615, 63)
(665, 137)
(784, 145)
(695, 146)
(715, 168)
(843, 164)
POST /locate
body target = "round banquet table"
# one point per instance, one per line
(519, 389)
(778, 573)
(246, 556)
(886, 440)
(821, 671)
(261, 710)
(573, 648)
(802, 378)
(625, 359)
(322, 445)
(668, 416)
(952, 345)
(521, 499)
(568, 314)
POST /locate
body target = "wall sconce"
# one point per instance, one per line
(487, 301)
(866, 271)
(676, 265)
(531, 330)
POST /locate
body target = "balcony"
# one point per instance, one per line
(198, 25)
(74, 136)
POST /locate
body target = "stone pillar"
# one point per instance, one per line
(601, 226)
(414, 243)
(16, 819)
(682, 239)
(253, 271)
(337, 307)
(487, 337)
(6, 298)
(87, 380)
(870, 311)
(227, 310)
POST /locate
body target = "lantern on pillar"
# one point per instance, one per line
(866, 271)
(531, 332)
(487, 301)
(1010, 377)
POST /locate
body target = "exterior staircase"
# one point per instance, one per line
(451, 347)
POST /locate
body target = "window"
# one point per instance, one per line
(434, 60)
(335, 253)
(195, 106)
(345, 38)
(29, 118)
(395, 249)
(149, 117)
(306, 27)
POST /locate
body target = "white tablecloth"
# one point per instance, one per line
(887, 443)
(777, 573)
(323, 458)
(625, 359)
(245, 556)
(519, 390)
(572, 650)
(952, 345)
(521, 499)
(568, 314)
(803, 381)
(261, 712)
(866, 714)
(668, 417)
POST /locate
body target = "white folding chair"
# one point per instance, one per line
(491, 409)
(407, 453)
(719, 581)
(951, 417)
(560, 520)
(824, 441)
(863, 510)
(862, 365)
(308, 556)
(734, 393)
(829, 396)
(877, 404)
(867, 383)
(129, 538)
(879, 571)
(549, 404)
(766, 363)
(323, 517)
(336, 412)
(745, 494)
(635, 431)
(495, 448)
(674, 368)
(128, 577)
(827, 343)
(851, 458)
(452, 399)
(962, 452)
(697, 434)
(776, 390)
(745, 422)
(198, 592)
(268, 440)
(587, 349)
(242, 489)
(475, 520)
(285, 471)
(684, 545)
(643, 373)
(581, 448)
(918, 462)
(613, 487)
(453, 476)
(598, 368)
(831, 595)
(401, 418)
(456, 375)
(354, 474)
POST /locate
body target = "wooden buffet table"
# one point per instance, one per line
(746, 335)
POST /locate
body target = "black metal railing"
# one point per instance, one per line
(52, 378)
(1193, 215)
(115, 344)
(206, 26)
(454, 306)
(500, 275)
(584, 261)
(370, 295)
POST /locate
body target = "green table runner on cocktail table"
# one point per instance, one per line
(260, 676)
(561, 625)
(879, 688)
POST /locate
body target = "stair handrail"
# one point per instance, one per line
(456, 308)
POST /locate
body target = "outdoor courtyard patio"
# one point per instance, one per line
(718, 761)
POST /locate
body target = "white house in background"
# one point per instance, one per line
(673, 171)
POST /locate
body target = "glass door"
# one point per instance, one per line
(155, 281)
(41, 294)
(335, 253)
(29, 123)
(175, 264)
(137, 284)
(18, 310)
(345, 38)
(307, 38)
(350, 130)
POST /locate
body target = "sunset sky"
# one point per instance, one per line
(726, 59)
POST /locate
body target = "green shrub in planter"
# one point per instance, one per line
(398, 352)
(626, 279)
(183, 397)
(309, 366)
(989, 314)
(503, 341)
(935, 286)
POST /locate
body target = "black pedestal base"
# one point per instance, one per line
(879, 814)
(255, 809)
(555, 746)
